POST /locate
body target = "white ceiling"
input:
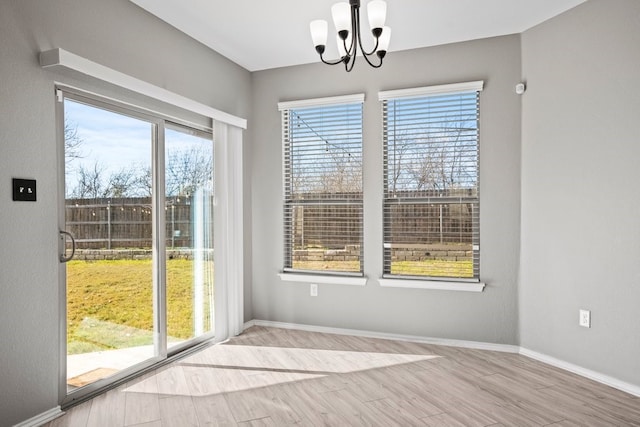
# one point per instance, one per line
(263, 34)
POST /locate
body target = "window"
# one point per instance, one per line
(170, 299)
(322, 144)
(139, 205)
(431, 182)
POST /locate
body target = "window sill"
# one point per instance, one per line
(432, 285)
(317, 278)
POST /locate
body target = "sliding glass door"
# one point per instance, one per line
(189, 224)
(136, 250)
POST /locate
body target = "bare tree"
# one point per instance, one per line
(143, 182)
(89, 182)
(343, 173)
(188, 170)
(400, 145)
(121, 183)
(434, 160)
(72, 142)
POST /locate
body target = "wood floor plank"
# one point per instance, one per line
(284, 412)
(565, 423)
(247, 405)
(308, 406)
(441, 420)
(201, 380)
(280, 377)
(398, 412)
(590, 411)
(403, 395)
(366, 388)
(78, 417)
(472, 415)
(213, 411)
(178, 410)
(108, 409)
(172, 382)
(356, 413)
(149, 424)
(141, 408)
(260, 422)
(142, 401)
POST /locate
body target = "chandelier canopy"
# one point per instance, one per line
(346, 18)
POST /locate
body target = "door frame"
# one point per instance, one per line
(158, 123)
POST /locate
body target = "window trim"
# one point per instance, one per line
(329, 277)
(161, 350)
(227, 141)
(58, 57)
(429, 282)
(439, 285)
(475, 86)
(319, 102)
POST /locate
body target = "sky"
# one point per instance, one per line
(116, 141)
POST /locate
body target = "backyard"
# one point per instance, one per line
(110, 302)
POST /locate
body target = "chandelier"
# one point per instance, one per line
(346, 18)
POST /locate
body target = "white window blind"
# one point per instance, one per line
(431, 182)
(323, 186)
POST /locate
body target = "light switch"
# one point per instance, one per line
(24, 190)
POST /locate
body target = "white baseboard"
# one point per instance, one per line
(42, 418)
(506, 348)
(587, 373)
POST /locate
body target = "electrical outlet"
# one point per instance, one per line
(313, 290)
(585, 318)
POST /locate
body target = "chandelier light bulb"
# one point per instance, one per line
(319, 30)
(377, 12)
(383, 41)
(341, 13)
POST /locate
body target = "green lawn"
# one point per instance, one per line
(409, 268)
(434, 268)
(109, 303)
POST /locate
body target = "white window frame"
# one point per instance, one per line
(418, 282)
(228, 200)
(332, 277)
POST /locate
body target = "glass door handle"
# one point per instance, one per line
(63, 239)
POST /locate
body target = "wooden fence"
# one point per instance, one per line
(127, 222)
(338, 226)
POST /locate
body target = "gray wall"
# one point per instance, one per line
(580, 180)
(119, 35)
(490, 316)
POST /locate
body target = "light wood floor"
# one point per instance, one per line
(276, 377)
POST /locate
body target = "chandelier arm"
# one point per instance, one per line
(351, 51)
(364, 52)
(371, 63)
(338, 61)
(348, 51)
(348, 65)
(366, 57)
(349, 59)
(355, 30)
